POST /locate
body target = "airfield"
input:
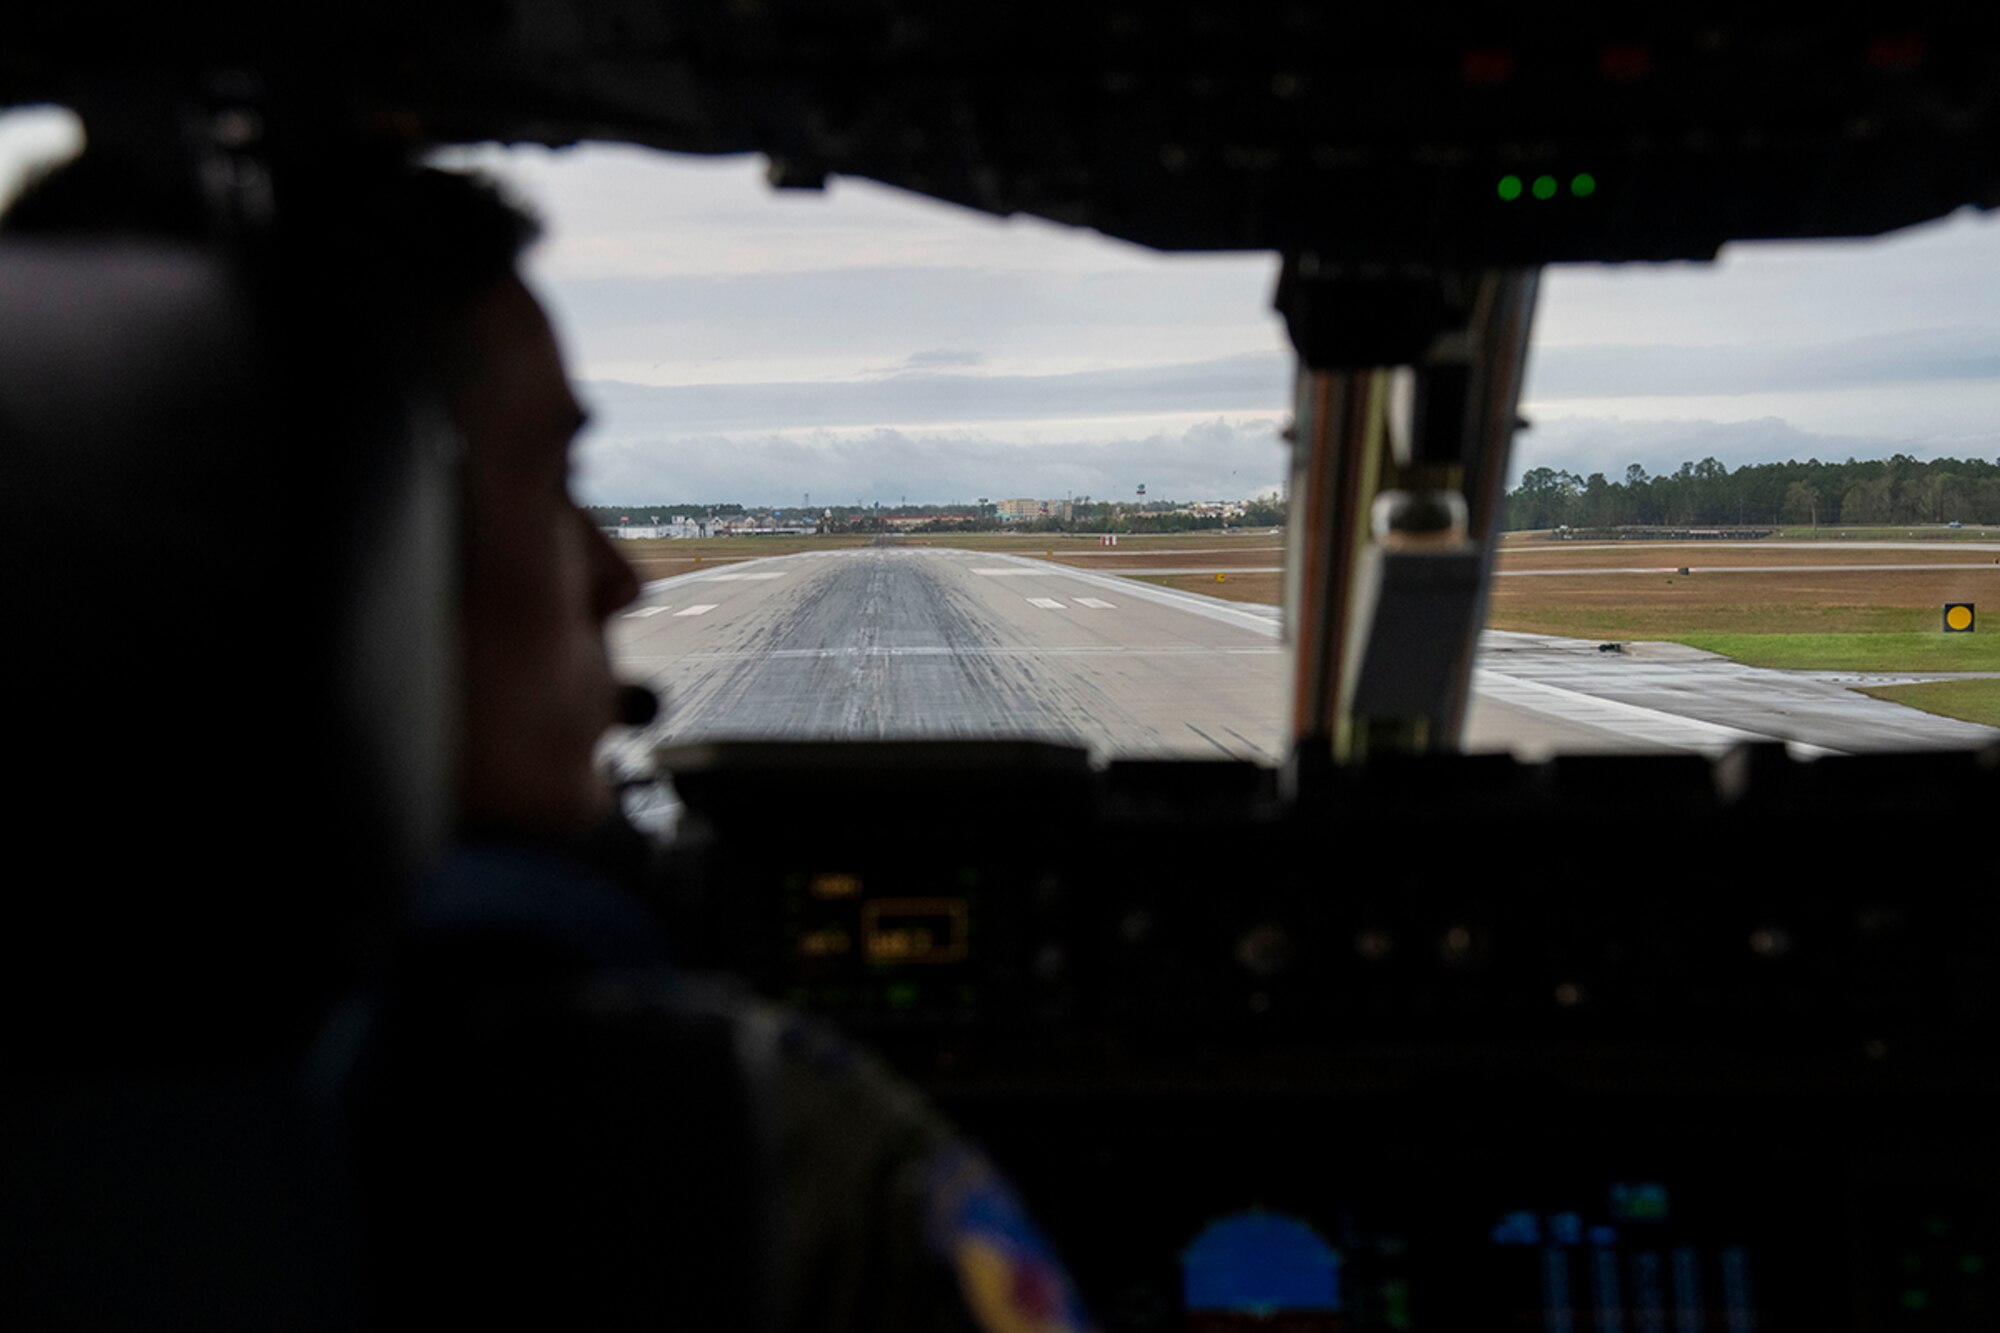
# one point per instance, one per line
(1129, 650)
(908, 641)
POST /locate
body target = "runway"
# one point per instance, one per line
(902, 642)
(883, 642)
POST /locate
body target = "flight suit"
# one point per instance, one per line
(554, 1125)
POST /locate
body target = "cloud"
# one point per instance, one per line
(1256, 382)
(1211, 459)
(942, 356)
(851, 322)
(1663, 371)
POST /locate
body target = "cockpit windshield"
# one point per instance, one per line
(890, 468)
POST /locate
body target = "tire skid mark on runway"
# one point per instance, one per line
(896, 643)
(853, 650)
(1252, 749)
(1212, 741)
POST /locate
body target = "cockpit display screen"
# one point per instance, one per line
(916, 931)
(857, 944)
(1617, 1262)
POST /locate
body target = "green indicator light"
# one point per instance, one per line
(1510, 188)
(1916, 1300)
(1972, 1265)
(1544, 187)
(1936, 1226)
(902, 995)
(1583, 185)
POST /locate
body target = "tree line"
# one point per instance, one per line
(1859, 492)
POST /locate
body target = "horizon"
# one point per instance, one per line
(1614, 477)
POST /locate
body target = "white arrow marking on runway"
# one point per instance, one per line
(1047, 603)
(645, 611)
(703, 609)
(1093, 602)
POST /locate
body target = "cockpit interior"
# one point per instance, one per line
(1385, 1038)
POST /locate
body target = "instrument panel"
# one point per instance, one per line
(1620, 1045)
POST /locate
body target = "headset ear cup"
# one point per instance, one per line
(268, 534)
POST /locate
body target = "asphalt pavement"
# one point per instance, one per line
(916, 642)
(927, 642)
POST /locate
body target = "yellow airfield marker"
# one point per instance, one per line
(1958, 617)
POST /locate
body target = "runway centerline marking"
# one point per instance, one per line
(645, 611)
(1096, 604)
(730, 578)
(1046, 603)
(1011, 573)
(700, 609)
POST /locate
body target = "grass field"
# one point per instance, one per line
(1971, 700)
(657, 558)
(1771, 607)
(1932, 532)
(1667, 557)
(1855, 652)
(1781, 600)
(1927, 532)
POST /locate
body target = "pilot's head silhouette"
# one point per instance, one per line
(539, 579)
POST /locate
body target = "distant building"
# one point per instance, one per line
(677, 527)
(1214, 509)
(1020, 511)
(904, 522)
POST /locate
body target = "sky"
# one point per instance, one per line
(742, 344)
